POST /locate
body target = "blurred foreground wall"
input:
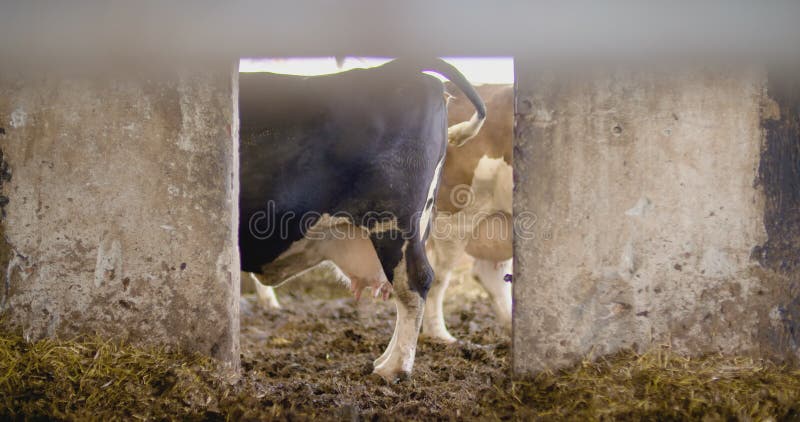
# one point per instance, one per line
(119, 193)
(665, 210)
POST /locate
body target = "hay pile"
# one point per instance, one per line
(661, 385)
(94, 379)
(312, 360)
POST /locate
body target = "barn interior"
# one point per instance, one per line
(655, 210)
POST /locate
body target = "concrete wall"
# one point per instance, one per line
(121, 206)
(651, 220)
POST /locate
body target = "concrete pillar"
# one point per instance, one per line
(120, 211)
(662, 208)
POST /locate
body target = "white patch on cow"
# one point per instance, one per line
(493, 185)
(384, 226)
(487, 168)
(18, 118)
(425, 217)
(327, 220)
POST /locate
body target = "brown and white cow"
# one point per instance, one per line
(473, 206)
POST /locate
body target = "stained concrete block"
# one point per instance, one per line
(121, 213)
(660, 216)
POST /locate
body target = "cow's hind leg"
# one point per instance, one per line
(443, 253)
(301, 257)
(434, 326)
(412, 276)
(266, 294)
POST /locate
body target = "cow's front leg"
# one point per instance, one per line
(412, 278)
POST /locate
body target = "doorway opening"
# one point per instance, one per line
(469, 241)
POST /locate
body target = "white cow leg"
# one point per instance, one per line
(433, 325)
(266, 294)
(491, 275)
(398, 359)
(443, 253)
(378, 362)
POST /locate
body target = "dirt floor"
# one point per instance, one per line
(315, 355)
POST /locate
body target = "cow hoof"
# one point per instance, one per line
(267, 298)
(444, 337)
(269, 305)
(391, 375)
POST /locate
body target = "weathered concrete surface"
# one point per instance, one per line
(121, 214)
(648, 195)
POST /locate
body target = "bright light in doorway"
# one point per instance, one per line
(478, 70)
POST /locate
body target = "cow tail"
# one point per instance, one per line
(460, 133)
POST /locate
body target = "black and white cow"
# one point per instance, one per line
(361, 150)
